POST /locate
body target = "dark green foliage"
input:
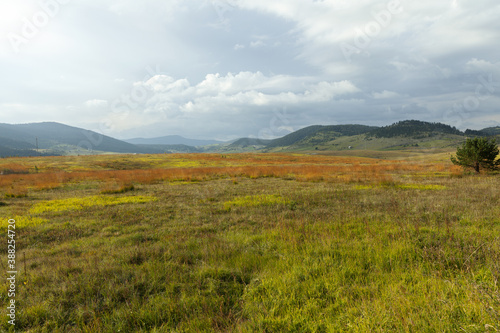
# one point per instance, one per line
(470, 132)
(11, 152)
(477, 153)
(491, 130)
(414, 128)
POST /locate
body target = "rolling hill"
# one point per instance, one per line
(318, 133)
(491, 130)
(51, 138)
(249, 142)
(403, 135)
(172, 140)
(58, 139)
(413, 128)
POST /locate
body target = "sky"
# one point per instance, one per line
(224, 69)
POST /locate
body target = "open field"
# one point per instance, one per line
(252, 243)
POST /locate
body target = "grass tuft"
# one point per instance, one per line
(256, 200)
(117, 189)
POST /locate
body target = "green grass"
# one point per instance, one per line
(256, 200)
(432, 187)
(260, 255)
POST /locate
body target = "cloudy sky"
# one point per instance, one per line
(233, 68)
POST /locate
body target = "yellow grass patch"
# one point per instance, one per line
(29, 221)
(86, 202)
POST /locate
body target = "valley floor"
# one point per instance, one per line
(251, 243)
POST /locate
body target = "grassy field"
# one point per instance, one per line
(251, 243)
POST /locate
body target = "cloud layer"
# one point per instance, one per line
(232, 68)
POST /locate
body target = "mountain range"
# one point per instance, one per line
(173, 140)
(50, 138)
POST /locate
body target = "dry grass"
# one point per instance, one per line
(300, 167)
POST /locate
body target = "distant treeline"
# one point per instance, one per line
(413, 128)
(416, 128)
(9, 152)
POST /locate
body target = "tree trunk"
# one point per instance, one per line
(476, 167)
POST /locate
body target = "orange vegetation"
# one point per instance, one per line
(300, 167)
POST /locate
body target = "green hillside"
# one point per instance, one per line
(247, 142)
(58, 139)
(404, 135)
(491, 130)
(318, 133)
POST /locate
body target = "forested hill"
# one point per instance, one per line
(334, 130)
(491, 130)
(413, 128)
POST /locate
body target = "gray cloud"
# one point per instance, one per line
(229, 68)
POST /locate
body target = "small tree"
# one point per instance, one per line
(477, 153)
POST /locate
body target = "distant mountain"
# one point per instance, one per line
(162, 149)
(172, 140)
(51, 138)
(49, 134)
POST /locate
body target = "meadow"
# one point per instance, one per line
(252, 243)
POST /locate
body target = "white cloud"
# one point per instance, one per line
(217, 97)
(218, 92)
(96, 103)
(257, 43)
(385, 94)
(480, 65)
